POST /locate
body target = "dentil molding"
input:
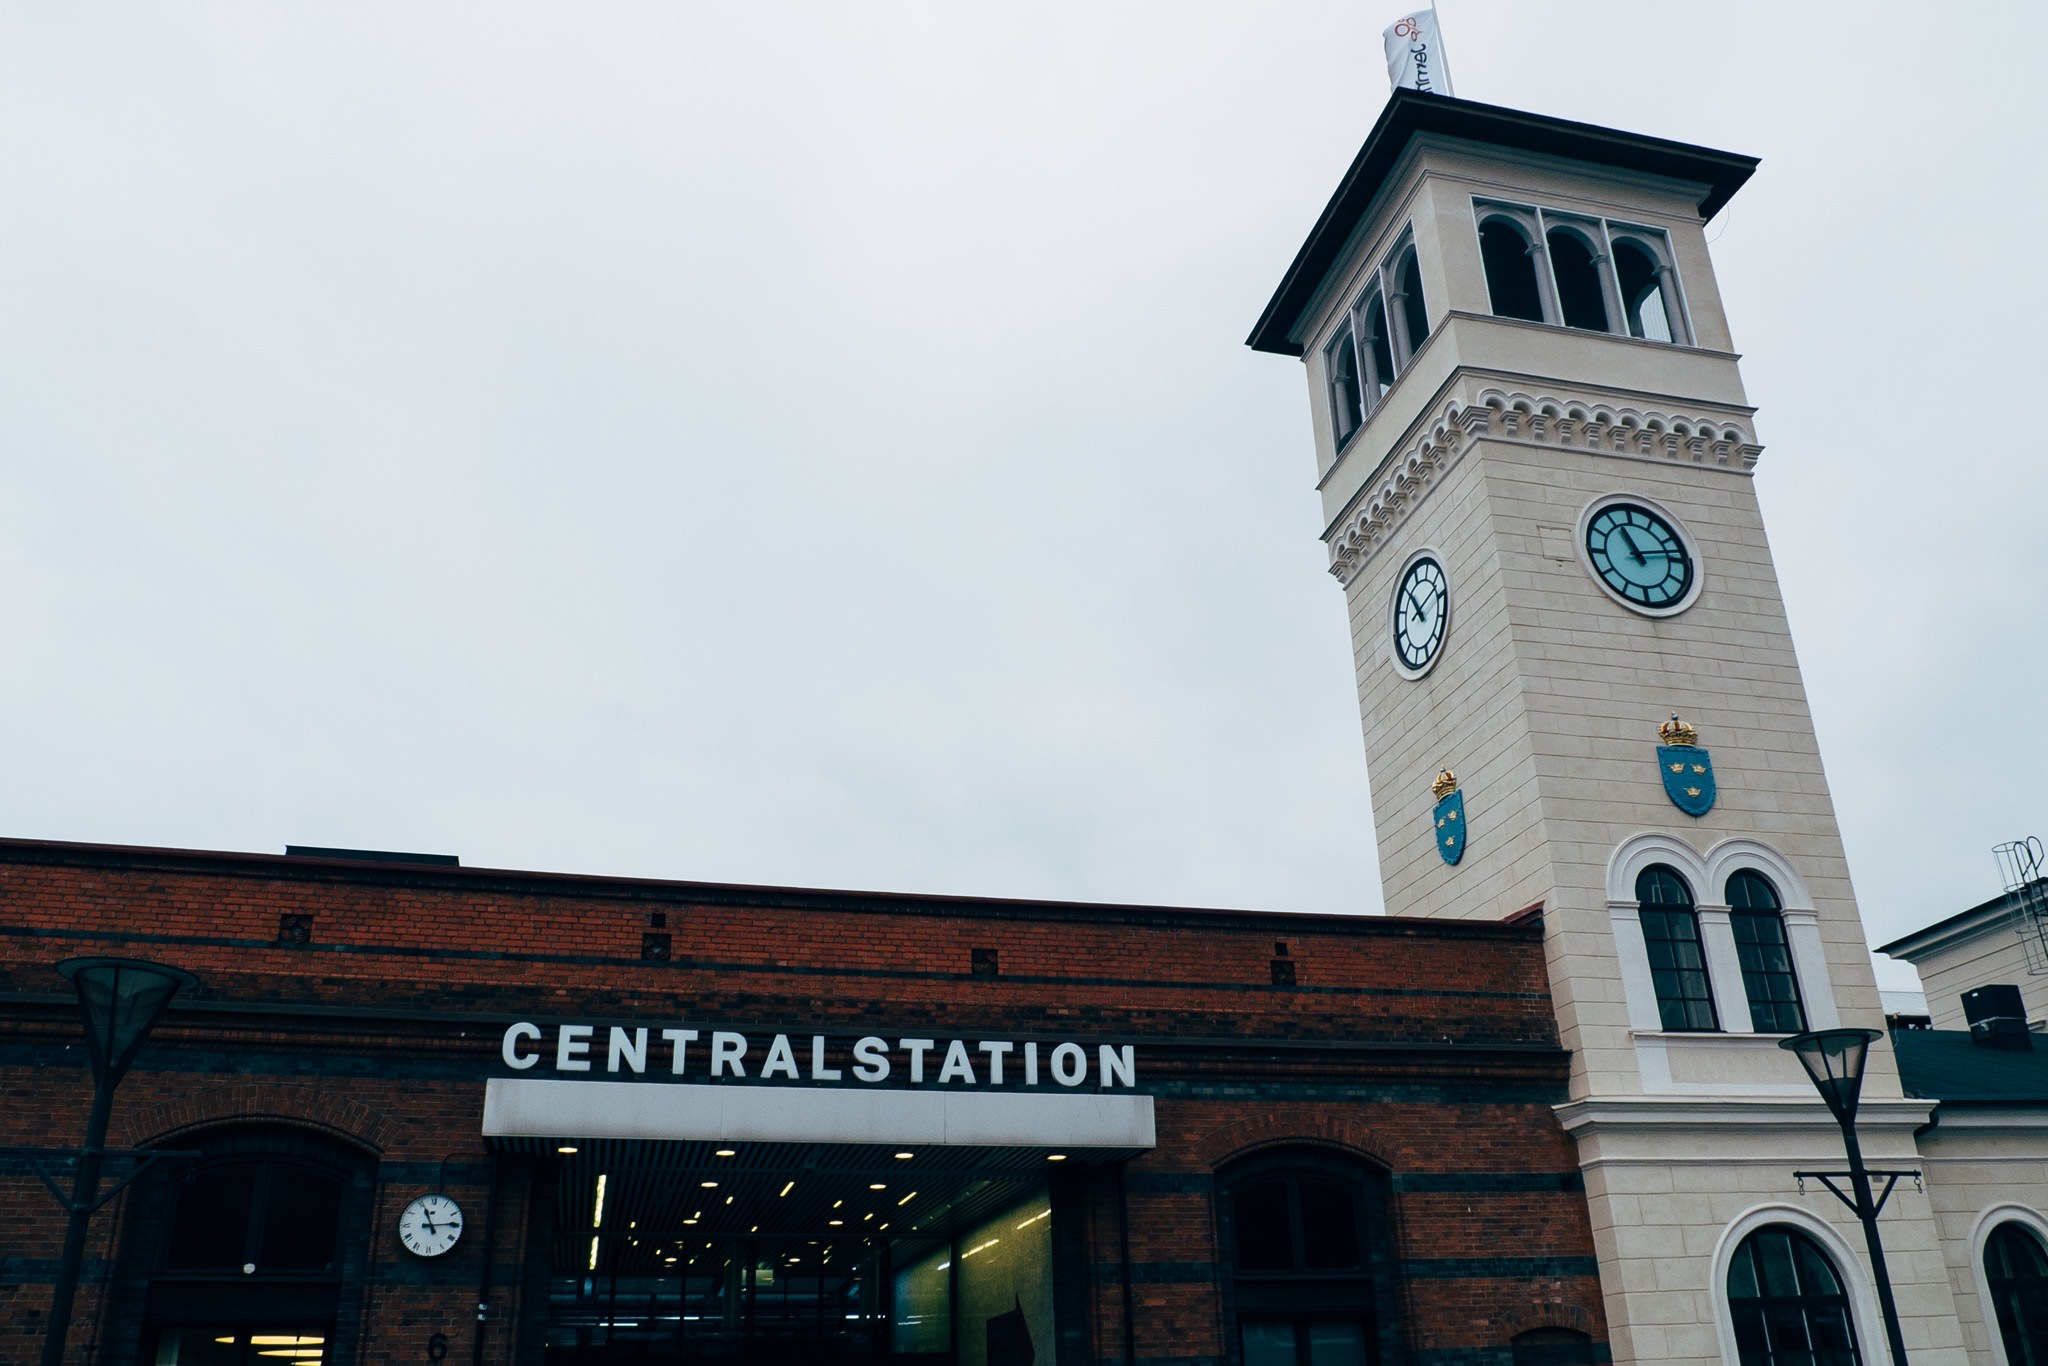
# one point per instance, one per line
(1517, 418)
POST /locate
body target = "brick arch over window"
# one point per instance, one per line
(1247, 1136)
(307, 1107)
(1571, 1317)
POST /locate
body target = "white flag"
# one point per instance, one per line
(1415, 54)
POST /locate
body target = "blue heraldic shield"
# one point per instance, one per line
(1450, 827)
(1688, 773)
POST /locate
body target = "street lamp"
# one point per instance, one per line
(1834, 1059)
(121, 998)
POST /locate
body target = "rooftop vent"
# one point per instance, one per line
(1998, 1017)
(370, 855)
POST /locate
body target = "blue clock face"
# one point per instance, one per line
(1639, 555)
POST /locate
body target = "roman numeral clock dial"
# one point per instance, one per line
(1640, 556)
(1420, 615)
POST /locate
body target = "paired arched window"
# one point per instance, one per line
(1787, 1302)
(1678, 960)
(1757, 918)
(2016, 1273)
(1375, 340)
(1310, 1260)
(1570, 270)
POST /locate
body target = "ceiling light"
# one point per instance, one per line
(787, 1189)
(709, 1185)
(1055, 1157)
(565, 1148)
(878, 1186)
(726, 1152)
(906, 1200)
(905, 1157)
(835, 1222)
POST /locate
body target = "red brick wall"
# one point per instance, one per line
(1425, 1048)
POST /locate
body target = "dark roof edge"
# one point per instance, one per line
(2001, 902)
(1409, 113)
(233, 863)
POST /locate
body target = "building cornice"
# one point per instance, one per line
(1721, 1113)
(1599, 425)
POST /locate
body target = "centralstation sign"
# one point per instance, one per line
(581, 1049)
(681, 1084)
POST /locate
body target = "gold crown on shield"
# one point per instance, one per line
(1677, 732)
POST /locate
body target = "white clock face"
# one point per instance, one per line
(430, 1225)
(1422, 613)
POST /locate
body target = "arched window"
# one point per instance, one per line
(1787, 1302)
(1510, 272)
(1414, 315)
(1310, 1258)
(1576, 270)
(1347, 398)
(1379, 350)
(2016, 1270)
(1642, 292)
(255, 1248)
(1551, 1347)
(1757, 918)
(1678, 964)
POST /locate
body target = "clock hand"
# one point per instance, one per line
(1420, 610)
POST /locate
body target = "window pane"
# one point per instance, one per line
(211, 1229)
(1580, 296)
(1510, 273)
(1263, 1241)
(1409, 281)
(2017, 1273)
(1678, 969)
(1347, 399)
(1382, 373)
(1336, 1344)
(1268, 1344)
(1787, 1303)
(1329, 1225)
(303, 1223)
(1642, 293)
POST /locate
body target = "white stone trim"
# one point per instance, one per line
(1980, 1233)
(1870, 1339)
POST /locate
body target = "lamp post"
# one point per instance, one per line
(1834, 1059)
(121, 998)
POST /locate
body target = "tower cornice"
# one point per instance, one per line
(1560, 418)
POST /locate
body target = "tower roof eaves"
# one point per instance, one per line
(1410, 113)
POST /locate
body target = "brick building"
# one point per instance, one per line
(694, 1122)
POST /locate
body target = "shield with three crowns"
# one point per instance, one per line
(1450, 827)
(1688, 773)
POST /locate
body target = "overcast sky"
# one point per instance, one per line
(814, 444)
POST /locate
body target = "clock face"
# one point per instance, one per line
(430, 1225)
(1422, 612)
(1640, 556)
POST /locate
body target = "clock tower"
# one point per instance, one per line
(1579, 689)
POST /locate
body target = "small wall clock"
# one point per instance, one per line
(1640, 555)
(1421, 614)
(430, 1225)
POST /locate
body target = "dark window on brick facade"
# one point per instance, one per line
(1787, 1303)
(1551, 1347)
(1309, 1259)
(1758, 921)
(984, 963)
(1678, 964)
(1283, 972)
(294, 929)
(2016, 1272)
(654, 946)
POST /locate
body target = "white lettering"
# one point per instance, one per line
(917, 1048)
(1118, 1065)
(781, 1059)
(1031, 1064)
(681, 1039)
(957, 1065)
(572, 1048)
(513, 1035)
(995, 1048)
(630, 1049)
(820, 1072)
(727, 1049)
(871, 1059)
(1075, 1074)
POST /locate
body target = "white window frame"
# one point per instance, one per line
(1871, 1344)
(2005, 1212)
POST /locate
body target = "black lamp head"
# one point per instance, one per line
(121, 998)
(1834, 1059)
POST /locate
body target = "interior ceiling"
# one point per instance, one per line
(656, 1193)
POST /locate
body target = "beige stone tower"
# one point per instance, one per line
(1535, 461)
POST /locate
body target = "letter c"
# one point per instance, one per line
(513, 1058)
